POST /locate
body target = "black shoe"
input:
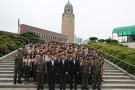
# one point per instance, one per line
(87, 88)
(42, 87)
(14, 82)
(94, 87)
(99, 88)
(82, 88)
(20, 82)
(38, 88)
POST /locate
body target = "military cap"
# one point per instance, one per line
(19, 50)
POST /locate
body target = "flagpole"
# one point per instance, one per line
(18, 26)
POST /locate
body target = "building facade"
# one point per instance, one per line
(45, 35)
(68, 22)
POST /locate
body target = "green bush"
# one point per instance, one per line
(124, 53)
(3, 49)
(9, 42)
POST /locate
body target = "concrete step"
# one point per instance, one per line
(118, 86)
(104, 86)
(6, 69)
(6, 66)
(116, 77)
(109, 69)
(112, 74)
(114, 71)
(3, 61)
(6, 72)
(122, 81)
(6, 63)
(6, 75)
(7, 59)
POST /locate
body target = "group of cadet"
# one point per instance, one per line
(60, 64)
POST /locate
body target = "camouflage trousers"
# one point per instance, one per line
(17, 70)
(85, 77)
(40, 78)
(96, 80)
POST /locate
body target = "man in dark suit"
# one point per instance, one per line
(63, 64)
(52, 70)
(74, 69)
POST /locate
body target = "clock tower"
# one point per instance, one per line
(68, 22)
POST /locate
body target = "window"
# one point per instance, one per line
(39, 34)
(65, 10)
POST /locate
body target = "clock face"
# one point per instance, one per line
(68, 9)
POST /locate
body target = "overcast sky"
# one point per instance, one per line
(92, 17)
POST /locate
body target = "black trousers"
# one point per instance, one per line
(73, 80)
(27, 73)
(79, 81)
(51, 82)
(62, 80)
(34, 67)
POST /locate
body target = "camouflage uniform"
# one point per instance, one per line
(90, 75)
(96, 75)
(85, 74)
(40, 72)
(18, 68)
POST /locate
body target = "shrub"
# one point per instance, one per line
(3, 49)
(123, 53)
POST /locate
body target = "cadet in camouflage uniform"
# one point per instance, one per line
(18, 67)
(85, 64)
(40, 72)
(102, 63)
(96, 76)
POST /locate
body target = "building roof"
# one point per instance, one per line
(43, 30)
(125, 31)
(68, 4)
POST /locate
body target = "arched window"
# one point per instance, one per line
(65, 11)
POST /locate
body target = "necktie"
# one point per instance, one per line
(52, 63)
(27, 62)
(63, 62)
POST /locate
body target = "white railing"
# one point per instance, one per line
(124, 71)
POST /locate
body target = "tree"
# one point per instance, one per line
(31, 37)
(101, 40)
(93, 39)
(108, 40)
(115, 41)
